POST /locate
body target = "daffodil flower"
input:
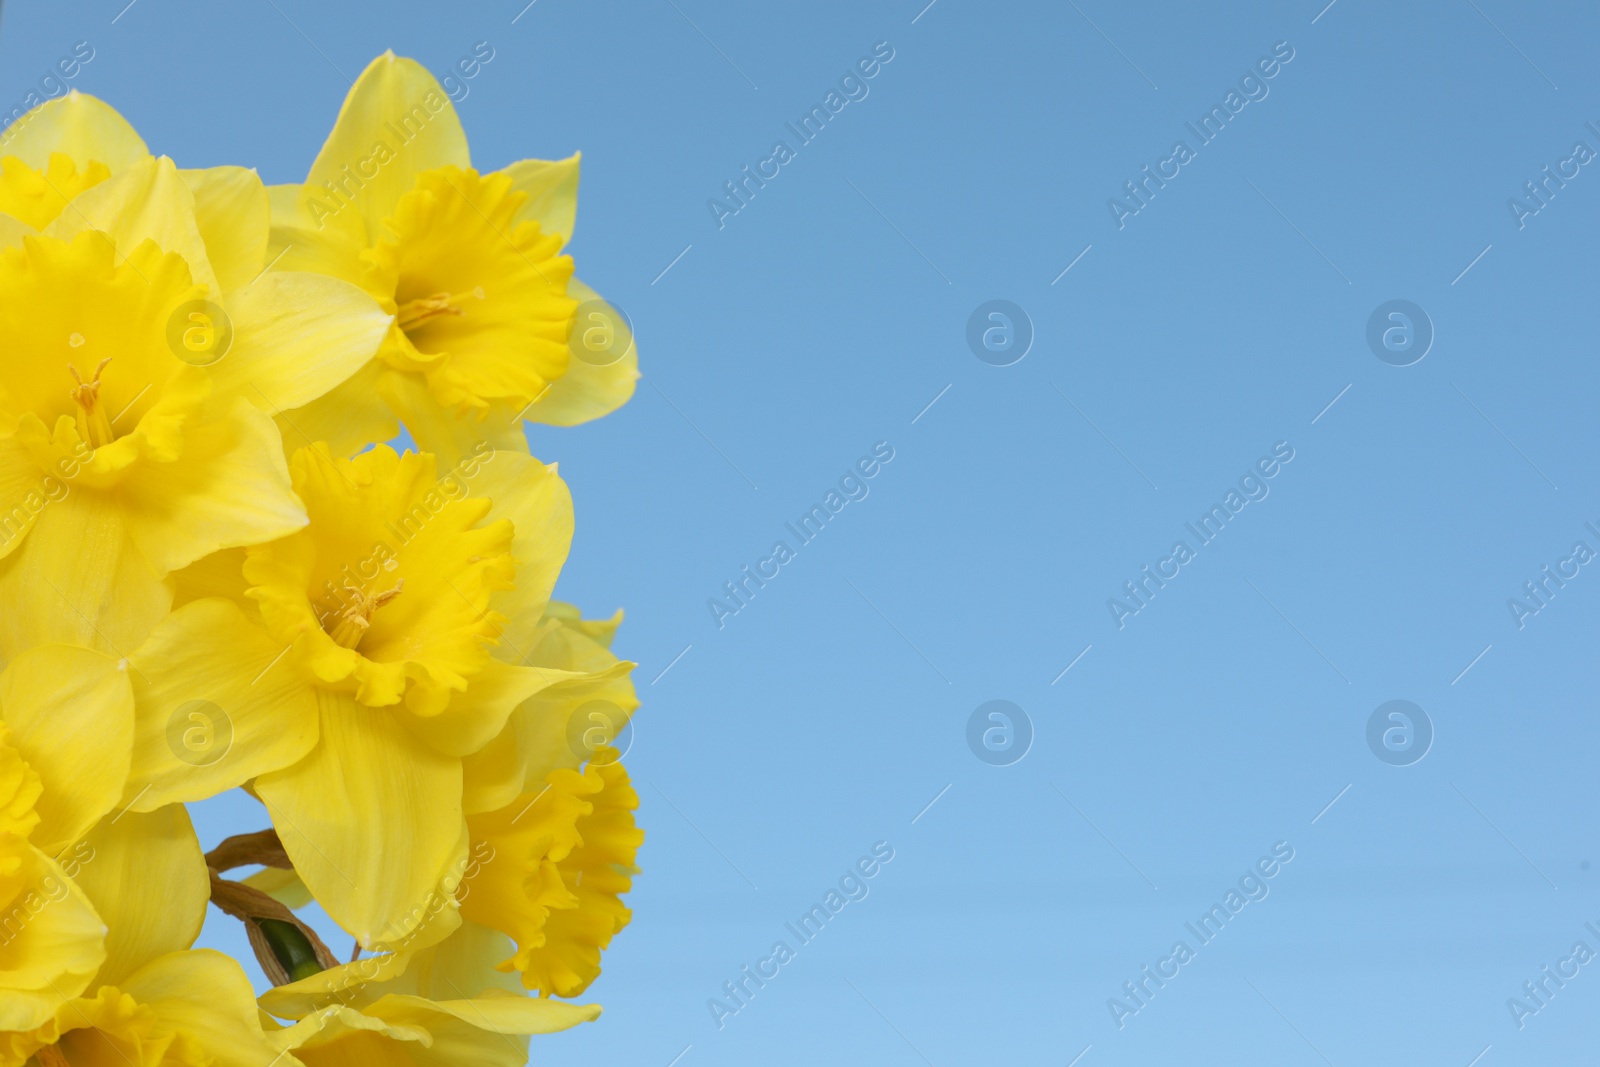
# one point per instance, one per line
(552, 850)
(370, 653)
(153, 1001)
(470, 265)
(563, 858)
(442, 1006)
(98, 908)
(127, 450)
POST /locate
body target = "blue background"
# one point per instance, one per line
(1221, 319)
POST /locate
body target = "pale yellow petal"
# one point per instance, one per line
(395, 103)
(79, 580)
(76, 125)
(463, 965)
(297, 243)
(51, 939)
(230, 205)
(350, 418)
(597, 632)
(450, 436)
(599, 384)
(372, 819)
(147, 878)
(295, 337)
(487, 1031)
(28, 490)
(365, 980)
(536, 500)
(552, 188)
(71, 716)
(206, 996)
(230, 488)
(216, 706)
(542, 736)
(344, 1037)
(475, 717)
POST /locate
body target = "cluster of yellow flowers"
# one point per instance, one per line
(214, 574)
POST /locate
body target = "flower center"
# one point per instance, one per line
(93, 425)
(51, 1056)
(414, 313)
(351, 624)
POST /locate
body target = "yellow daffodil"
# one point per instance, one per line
(213, 574)
(370, 653)
(136, 438)
(153, 1002)
(442, 1006)
(562, 858)
(470, 265)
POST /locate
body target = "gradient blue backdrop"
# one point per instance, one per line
(1222, 319)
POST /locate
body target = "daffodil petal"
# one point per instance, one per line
(595, 633)
(349, 418)
(205, 996)
(230, 206)
(460, 966)
(475, 717)
(295, 337)
(57, 942)
(448, 436)
(70, 711)
(298, 243)
(28, 489)
(481, 1031)
(552, 188)
(365, 980)
(395, 103)
(147, 878)
(148, 201)
(344, 1036)
(230, 488)
(77, 125)
(587, 391)
(215, 706)
(536, 500)
(79, 580)
(371, 818)
(536, 739)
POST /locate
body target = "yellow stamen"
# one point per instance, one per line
(357, 618)
(51, 1056)
(93, 426)
(414, 313)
